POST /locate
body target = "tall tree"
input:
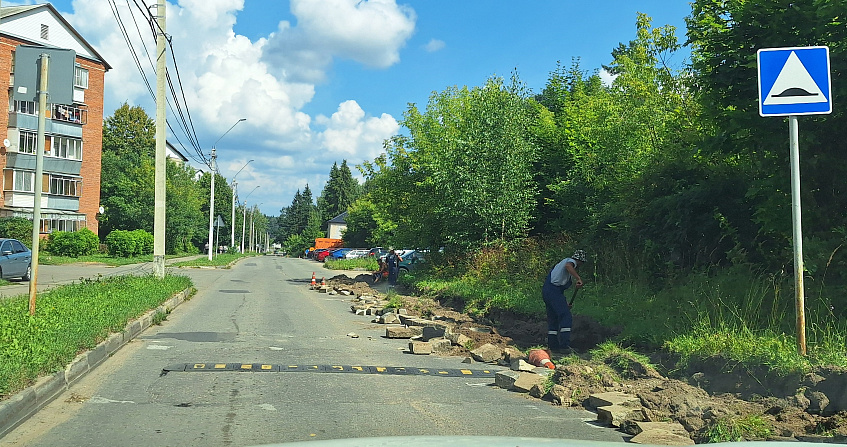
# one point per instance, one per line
(464, 175)
(724, 35)
(340, 191)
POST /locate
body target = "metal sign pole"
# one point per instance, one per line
(794, 137)
(39, 180)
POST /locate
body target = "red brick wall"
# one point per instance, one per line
(92, 144)
(92, 132)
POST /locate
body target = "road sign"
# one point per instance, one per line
(60, 79)
(794, 81)
(219, 222)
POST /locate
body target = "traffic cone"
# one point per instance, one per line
(323, 282)
(540, 357)
(314, 284)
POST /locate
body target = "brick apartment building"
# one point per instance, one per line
(74, 132)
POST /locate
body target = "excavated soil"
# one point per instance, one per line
(707, 398)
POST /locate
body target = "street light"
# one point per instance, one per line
(213, 168)
(234, 189)
(252, 229)
(244, 219)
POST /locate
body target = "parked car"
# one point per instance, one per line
(339, 253)
(356, 253)
(411, 259)
(15, 260)
(378, 252)
(321, 257)
(314, 254)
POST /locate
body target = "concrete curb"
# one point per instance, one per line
(24, 404)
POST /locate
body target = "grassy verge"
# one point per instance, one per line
(48, 259)
(70, 319)
(220, 260)
(368, 263)
(736, 314)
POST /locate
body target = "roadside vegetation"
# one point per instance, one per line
(367, 263)
(70, 319)
(220, 260)
(666, 175)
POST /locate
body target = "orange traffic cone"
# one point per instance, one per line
(314, 284)
(540, 357)
(323, 282)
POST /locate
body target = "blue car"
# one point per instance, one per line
(339, 253)
(15, 260)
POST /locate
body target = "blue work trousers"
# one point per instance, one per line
(559, 318)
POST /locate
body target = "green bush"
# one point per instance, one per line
(121, 244)
(143, 241)
(73, 244)
(127, 244)
(19, 228)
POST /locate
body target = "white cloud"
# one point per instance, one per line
(352, 135)
(434, 45)
(607, 78)
(226, 76)
(371, 32)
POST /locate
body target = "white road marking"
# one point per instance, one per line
(103, 400)
(159, 347)
(268, 407)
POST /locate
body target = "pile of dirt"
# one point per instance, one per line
(710, 402)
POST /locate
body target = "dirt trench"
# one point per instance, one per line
(712, 399)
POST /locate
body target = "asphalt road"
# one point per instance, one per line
(261, 311)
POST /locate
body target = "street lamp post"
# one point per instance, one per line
(213, 168)
(234, 189)
(253, 228)
(244, 219)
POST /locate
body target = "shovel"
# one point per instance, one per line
(570, 303)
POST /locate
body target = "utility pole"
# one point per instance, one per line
(212, 202)
(39, 178)
(160, 199)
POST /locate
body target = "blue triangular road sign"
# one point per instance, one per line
(794, 81)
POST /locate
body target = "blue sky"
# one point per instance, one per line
(324, 80)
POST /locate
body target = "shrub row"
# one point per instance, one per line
(129, 243)
(73, 243)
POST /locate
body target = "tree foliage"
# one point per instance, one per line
(464, 175)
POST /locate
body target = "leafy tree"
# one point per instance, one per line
(367, 226)
(19, 228)
(127, 184)
(724, 36)
(464, 176)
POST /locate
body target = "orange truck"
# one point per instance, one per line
(325, 242)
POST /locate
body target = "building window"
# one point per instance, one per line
(53, 223)
(25, 107)
(21, 181)
(70, 114)
(65, 147)
(65, 186)
(45, 32)
(80, 77)
(27, 142)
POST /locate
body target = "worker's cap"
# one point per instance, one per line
(579, 255)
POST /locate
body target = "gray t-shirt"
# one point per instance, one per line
(559, 276)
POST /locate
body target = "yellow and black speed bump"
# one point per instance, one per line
(379, 370)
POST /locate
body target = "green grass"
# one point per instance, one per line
(220, 260)
(734, 313)
(49, 259)
(737, 429)
(71, 319)
(367, 263)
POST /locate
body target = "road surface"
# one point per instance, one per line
(262, 312)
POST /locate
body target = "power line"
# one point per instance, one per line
(187, 126)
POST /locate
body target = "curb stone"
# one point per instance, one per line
(19, 407)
